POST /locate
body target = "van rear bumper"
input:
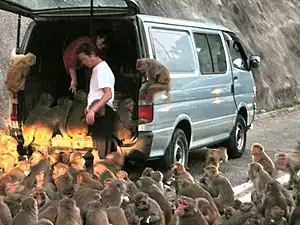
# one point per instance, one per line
(142, 144)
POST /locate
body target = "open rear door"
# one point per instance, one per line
(36, 9)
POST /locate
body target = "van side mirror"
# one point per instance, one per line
(238, 63)
(254, 61)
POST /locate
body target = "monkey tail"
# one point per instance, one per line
(168, 99)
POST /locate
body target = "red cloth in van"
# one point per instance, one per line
(69, 56)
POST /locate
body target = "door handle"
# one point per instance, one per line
(235, 78)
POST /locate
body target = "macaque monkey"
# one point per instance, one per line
(49, 210)
(96, 213)
(272, 196)
(146, 184)
(188, 212)
(295, 214)
(41, 107)
(55, 117)
(114, 193)
(123, 175)
(36, 157)
(227, 216)
(63, 179)
(28, 214)
(157, 176)
(5, 214)
(259, 155)
(17, 72)
(77, 161)
(124, 124)
(211, 215)
(276, 217)
(40, 196)
(258, 176)
(148, 210)
(215, 156)
(43, 222)
(219, 187)
(53, 158)
(76, 125)
(181, 173)
(116, 216)
(68, 213)
(157, 76)
(147, 172)
(86, 180)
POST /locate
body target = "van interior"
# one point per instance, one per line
(48, 41)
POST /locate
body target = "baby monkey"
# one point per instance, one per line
(157, 76)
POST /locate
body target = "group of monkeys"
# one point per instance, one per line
(65, 189)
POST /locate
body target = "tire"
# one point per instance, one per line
(236, 143)
(178, 149)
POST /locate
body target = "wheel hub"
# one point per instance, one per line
(239, 135)
(179, 155)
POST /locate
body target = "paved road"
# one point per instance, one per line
(275, 133)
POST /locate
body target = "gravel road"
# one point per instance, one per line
(278, 132)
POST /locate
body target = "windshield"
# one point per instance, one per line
(54, 4)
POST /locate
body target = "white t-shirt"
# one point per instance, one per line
(102, 77)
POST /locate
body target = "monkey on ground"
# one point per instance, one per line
(295, 214)
(68, 213)
(86, 180)
(180, 172)
(116, 216)
(40, 196)
(211, 215)
(146, 184)
(43, 222)
(5, 214)
(56, 117)
(76, 163)
(275, 217)
(219, 187)
(157, 176)
(258, 176)
(188, 212)
(28, 214)
(96, 213)
(272, 196)
(290, 163)
(76, 125)
(147, 172)
(260, 156)
(113, 194)
(194, 190)
(49, 210)
(215, 156)
(63, 179)
(157, 76)
(41, 107)
(17, 72)
(146, 210)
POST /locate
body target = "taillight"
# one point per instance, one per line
(254, 93)
(13, 115)
(146, 113)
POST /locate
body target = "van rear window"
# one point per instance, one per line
(173, 49)
(52, 4)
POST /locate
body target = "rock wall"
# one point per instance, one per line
(268, 27)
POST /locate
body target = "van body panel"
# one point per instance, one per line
(207, 100)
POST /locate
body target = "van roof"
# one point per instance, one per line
(181, 22)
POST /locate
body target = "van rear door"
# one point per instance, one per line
(36, 9)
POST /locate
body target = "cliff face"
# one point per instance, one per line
(270, 28)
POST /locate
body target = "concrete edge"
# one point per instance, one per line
(243, 191)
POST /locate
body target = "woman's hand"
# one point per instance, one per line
(73, 86)
(90, 117)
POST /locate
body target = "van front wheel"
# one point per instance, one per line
(178, 149)
(237, 142)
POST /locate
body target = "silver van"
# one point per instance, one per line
(213, 92)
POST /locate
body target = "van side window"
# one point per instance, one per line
(211, 54)
(173, 49)
(239, 59)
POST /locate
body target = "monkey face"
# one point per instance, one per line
(185, 206)
(256, 149)
(141, 65)
(228, 212)
(142, 202)
(147, 172)
(107, 183)
(30, 59)
(122, 175)
(40, 197)
(58, 171)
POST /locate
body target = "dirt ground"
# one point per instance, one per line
(276, 133)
